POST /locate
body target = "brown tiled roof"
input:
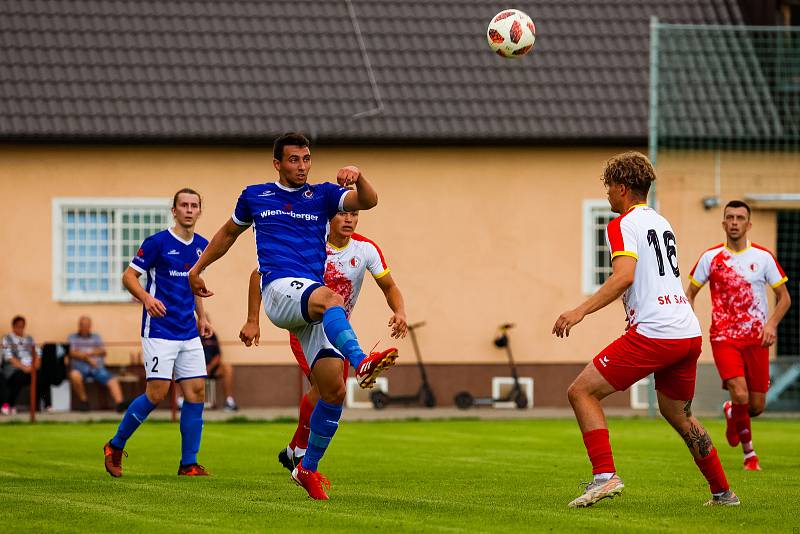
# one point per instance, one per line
(238, 70)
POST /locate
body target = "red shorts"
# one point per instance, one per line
(297, 350)
(743, 358)
(633, 356)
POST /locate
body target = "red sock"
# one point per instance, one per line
(740, 413)
(599, 448)
(300, 438)
(711, 468)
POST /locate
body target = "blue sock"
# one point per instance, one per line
(324, 422)
(340, 334)
(134, 416)
(191, 431)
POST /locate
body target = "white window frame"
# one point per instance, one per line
(591, 207)
(59, 292)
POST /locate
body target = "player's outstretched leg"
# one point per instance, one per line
(134, 416)
(291, 455)
(679, 414)
(341, 335)
(373, 365)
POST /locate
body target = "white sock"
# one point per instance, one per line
(603, 477)
(289, 452)
(750, 454)
(299, 453)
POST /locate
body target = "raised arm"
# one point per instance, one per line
(219, 245)
(394, 298)
(615, 285)
(364, 197)
(782, 303)
(251, 331)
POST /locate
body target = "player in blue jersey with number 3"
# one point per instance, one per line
(170, 334)
(290, 219)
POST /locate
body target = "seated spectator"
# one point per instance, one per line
(218, 369)
(87, 356)
(18, 352)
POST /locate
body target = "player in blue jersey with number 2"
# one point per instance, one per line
(290, 218)
(170, 334)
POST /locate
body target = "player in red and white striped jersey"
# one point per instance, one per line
(741, 332)
(662, 337)
(349, 257)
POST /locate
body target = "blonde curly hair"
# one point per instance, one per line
(631, 169)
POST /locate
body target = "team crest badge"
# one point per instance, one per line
(199, 251)
(354, 262)
(287, 207)
(308, 193)
(140, 252)
(753, 267)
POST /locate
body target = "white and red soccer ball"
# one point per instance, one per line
(511, 33)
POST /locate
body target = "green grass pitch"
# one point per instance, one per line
(414, 476)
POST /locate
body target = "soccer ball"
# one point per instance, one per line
(511, 33)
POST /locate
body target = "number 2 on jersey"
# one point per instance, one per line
(669, 245)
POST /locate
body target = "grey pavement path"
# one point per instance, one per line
(289, 413)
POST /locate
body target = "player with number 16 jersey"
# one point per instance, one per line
(662, 336)
(655, 303)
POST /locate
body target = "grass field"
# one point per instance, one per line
(432, 476)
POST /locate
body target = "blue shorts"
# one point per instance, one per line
(101, 375)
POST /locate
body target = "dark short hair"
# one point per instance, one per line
(631, 169)
(288, 139)
(16, 319)
(189, 191)
(737, 204)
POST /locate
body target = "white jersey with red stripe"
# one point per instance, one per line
(655, 303)
(738, 289)
(345, 268)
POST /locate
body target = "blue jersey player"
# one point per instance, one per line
(290, 219)
(170, 334)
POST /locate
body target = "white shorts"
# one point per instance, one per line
(286, 305)
(168, 359)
